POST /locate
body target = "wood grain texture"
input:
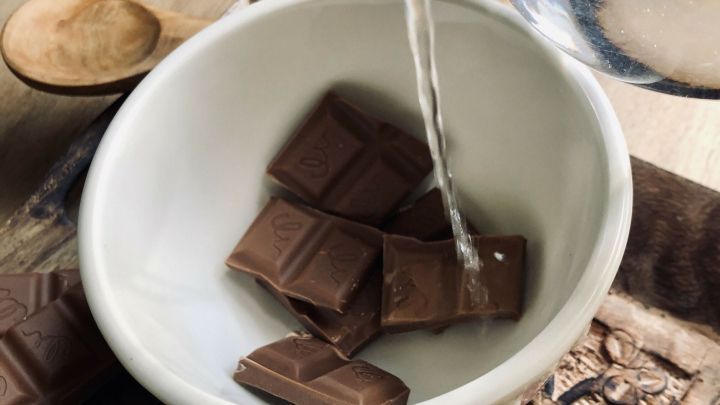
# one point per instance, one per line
(672, 260)
(678, 134)
(36, 128)
(91, 46)
(40, 236)
(633, 355)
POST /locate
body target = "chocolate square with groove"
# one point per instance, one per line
(307, 254)
(425, 287)
(349, 332)
(344, 161)
(56, 355)
(308, 371)
(21, 295)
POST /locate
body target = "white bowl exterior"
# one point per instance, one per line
(180, 175)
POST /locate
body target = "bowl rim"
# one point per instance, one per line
(509, 379)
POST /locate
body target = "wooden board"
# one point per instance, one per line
(633, 355)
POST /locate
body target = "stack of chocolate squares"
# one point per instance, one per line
(50, 349)
(349, 265)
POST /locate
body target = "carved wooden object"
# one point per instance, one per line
(633, 355)
(91, 46)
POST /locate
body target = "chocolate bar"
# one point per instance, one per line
(424, 219)
(425, 287)
(55, 356)
(307, 254)
(308, 371)
(350, 331)
(23, 294)
(342, 160)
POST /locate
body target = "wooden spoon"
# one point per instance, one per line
(90, 47)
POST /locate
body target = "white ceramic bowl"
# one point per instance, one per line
(536, 150)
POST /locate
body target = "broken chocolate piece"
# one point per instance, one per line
(350, 331)
(55, 356)
(425, 287)
(308, 371)
(23, 294)
(424, 219)
(343, 161)
(307, 254)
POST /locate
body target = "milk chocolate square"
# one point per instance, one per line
(346, 162)
(308, 255)
(424, 286)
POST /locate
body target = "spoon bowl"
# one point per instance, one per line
(91, 47)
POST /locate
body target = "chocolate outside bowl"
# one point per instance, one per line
(536, 150)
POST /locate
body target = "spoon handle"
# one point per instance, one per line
(40, 236)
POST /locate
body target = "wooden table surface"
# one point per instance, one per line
(36, 128)
(680, 135)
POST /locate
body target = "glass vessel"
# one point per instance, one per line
(671, 46)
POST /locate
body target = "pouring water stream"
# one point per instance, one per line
(421, 35)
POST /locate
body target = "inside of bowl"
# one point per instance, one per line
(183, 177)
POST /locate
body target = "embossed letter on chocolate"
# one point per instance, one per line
(56, 356)
(424, 287)
(308, 371)
(21, 295)
(307, 254)
(344, 161)
(350, 331)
